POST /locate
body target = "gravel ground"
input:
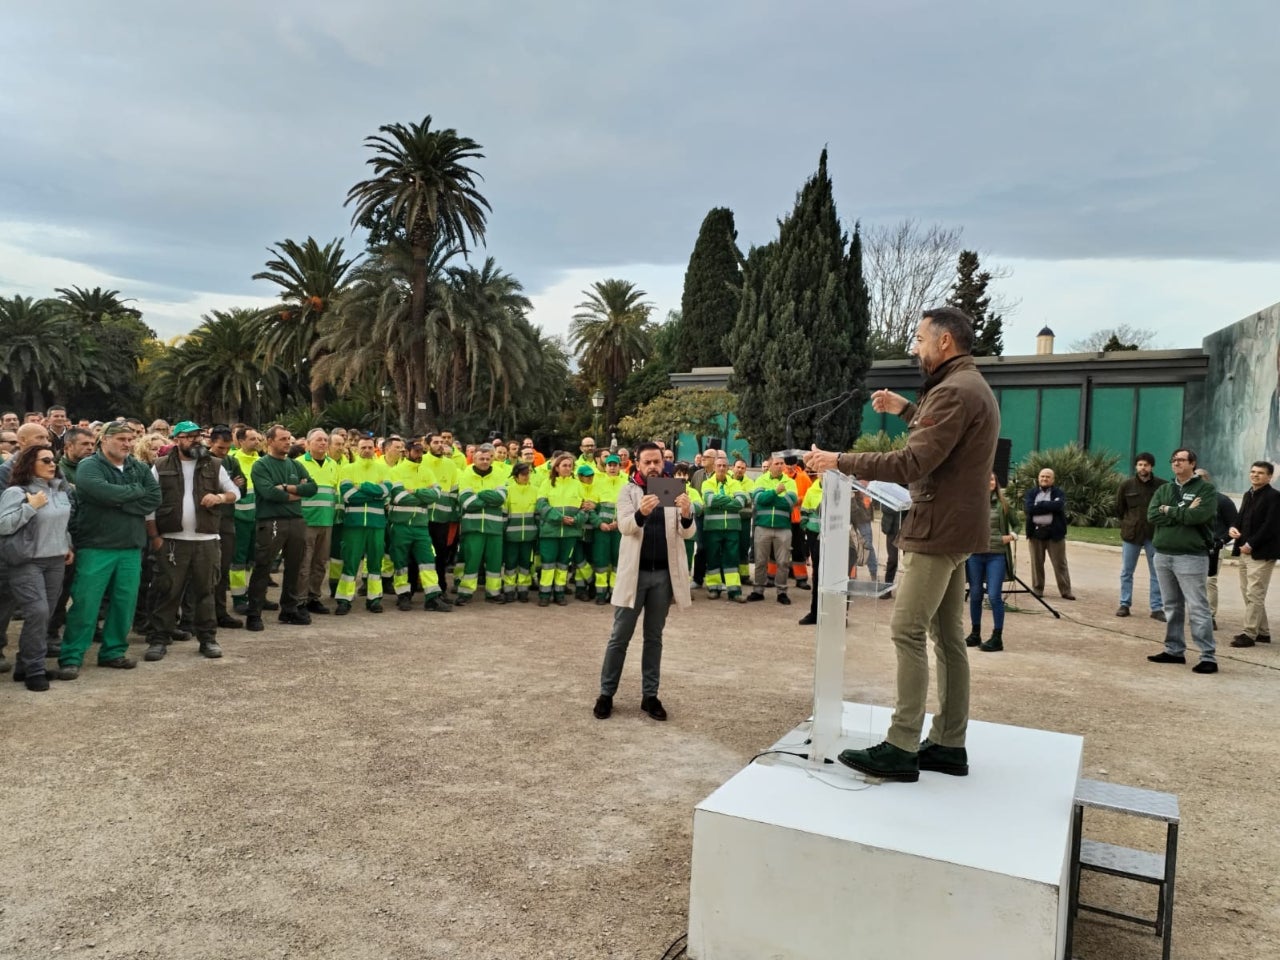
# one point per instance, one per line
(414, 785)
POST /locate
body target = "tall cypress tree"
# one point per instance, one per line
(969, 293)
(712, 292)
(801, 332)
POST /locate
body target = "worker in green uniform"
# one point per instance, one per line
(723, 503)
(561, 518)
(413, 491)
(521, 534)
(318, 513)
(608, 539)
(280, 485)
(364, 489)
(482, 494)
(244, 453)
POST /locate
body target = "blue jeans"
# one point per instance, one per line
(872, 564)
(1184, 584)
(1129, 553)
(988, 568)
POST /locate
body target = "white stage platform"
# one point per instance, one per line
(797, 862)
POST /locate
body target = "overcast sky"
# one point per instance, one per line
(1119, 157)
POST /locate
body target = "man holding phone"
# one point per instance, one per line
(651, 573)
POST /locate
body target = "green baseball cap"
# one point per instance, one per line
(586, 470)
(612, 458)
(185, 426)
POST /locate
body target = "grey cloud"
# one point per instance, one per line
(198, 135)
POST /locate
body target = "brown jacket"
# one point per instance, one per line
(624, 591)
(947, 461)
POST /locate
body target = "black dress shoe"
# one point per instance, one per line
(784, 600)
(270, 606)
(1264, 638)
(754, 597)
(603, 708)
(653, 707)
(1163, 657)
(1205, 666)
(296, 618)
(1242, 640)
(226, 622)
(316, 607)
(808, 620)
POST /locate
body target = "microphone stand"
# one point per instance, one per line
(839, 401)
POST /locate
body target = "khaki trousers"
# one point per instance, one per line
(313, 578)
(1255, 577)
(930, 603)
(1057, 551)
(772, 545)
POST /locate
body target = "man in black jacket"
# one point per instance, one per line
(1133, 496)
(1046, 508)
(1257, 537)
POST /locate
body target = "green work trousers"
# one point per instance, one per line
(409, 543)
(101, 573)
(517, 566)
(361, 543)
(722, 561)
(604, 557)
(481, 550)
(557, 555)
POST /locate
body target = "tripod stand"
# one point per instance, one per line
(1013, 575)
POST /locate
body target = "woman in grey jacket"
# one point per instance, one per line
(38, 495)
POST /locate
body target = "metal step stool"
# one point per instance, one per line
(1141, 865)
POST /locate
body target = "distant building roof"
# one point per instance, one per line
(1045, 332)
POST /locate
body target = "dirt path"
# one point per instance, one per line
(413, 785)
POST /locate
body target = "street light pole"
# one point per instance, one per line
(597, 401)
(386, 395)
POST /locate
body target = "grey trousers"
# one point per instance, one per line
(772, 545)
(191, 567)
(313, 581)
(653, 596)
(35, 587)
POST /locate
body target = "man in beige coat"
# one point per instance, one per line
(652, 572)
(947, 461)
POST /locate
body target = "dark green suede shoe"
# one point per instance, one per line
(940, 759)
(885, 761)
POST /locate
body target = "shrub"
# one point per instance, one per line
(879, 443)
(1089, 480)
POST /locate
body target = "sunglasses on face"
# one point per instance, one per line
(45, 460)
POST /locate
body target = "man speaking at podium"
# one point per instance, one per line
(947, 460)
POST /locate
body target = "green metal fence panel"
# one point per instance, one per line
(1160, 422)
(1111, 421)
(1018, 420)
(1059, 417)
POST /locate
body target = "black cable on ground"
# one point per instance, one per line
(676, 948)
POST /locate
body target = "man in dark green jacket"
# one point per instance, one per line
(280, 485)
(1182, 513)
(114, 494)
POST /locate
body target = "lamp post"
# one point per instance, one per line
(257, 409)
(597, 401)
(386, 396)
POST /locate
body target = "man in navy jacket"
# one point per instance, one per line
(1046, 508)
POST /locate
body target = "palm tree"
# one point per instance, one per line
(423, 182)
(482, 310)
(221, 365)
(96, 305)
(611, 334)
(38, 349)
(311, 279)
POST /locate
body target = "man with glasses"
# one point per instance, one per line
(1182, 513)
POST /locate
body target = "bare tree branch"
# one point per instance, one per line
(908, 267)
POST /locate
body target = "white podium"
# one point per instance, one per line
(800, 858)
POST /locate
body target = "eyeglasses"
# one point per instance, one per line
(45, 460)
(1179, 459)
